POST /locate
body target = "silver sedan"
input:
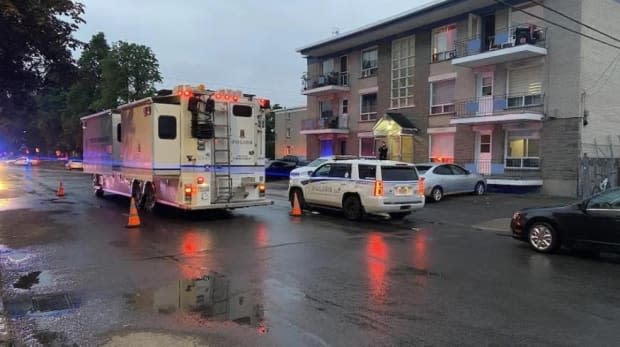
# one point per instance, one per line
(444, 179)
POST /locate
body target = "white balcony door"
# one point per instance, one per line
(484, 151)
(484, 93)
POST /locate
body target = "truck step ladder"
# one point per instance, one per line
(221, 157)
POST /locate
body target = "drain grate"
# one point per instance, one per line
(52, 302)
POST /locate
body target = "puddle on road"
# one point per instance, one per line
(213, 297)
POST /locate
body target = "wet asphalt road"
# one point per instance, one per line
(448, 275)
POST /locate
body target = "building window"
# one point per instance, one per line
(328, 66)
(403, 64)
(523, 150)
(345, 106)
(288, 133)
(442, 147)
(370, 58)
(367, 147)
(444, 40)
(325, 107)
(369, 107)
(288, 150)
(442, 97)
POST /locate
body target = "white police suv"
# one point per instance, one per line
(360, 186)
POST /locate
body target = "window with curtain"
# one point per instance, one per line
(523, 149)
(370, 58)
(369, 107)
(444, 39)
(442, 97)
(442, 147)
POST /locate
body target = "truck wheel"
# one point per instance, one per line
(149, 199)
(136, 191)
(97, 186)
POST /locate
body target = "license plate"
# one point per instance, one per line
(403, 190)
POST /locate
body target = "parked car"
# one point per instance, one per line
(592, 223)
(445, 179)
(306, 170)
(297, 160)
(74, 164)
(360, 186)
(278, 169)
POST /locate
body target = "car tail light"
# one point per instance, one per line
(261, 189)
(378, 189)
(421, 186)
(200, 180)
(188, 189)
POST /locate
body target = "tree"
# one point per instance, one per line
(37, 39)
(129, 73)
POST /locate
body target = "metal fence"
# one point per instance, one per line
(599, 161)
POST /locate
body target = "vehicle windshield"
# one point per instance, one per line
(317, 162)
(398, 173)
(423, 168)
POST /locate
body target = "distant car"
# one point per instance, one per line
(445, 179)
(299, 161)
(278, 169)
(21, 161)
(361, 186)
(592, 223)
(306, 170)
(74, 164)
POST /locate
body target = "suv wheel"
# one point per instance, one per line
(352, 207)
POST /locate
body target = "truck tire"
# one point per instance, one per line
(149, 198)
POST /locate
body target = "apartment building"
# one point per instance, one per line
(288, 124)
(494, 86)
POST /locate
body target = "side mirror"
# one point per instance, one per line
(310, 173)
(583, 205)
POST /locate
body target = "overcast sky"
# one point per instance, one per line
(238, 44)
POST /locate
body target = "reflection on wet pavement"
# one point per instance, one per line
(213, 297)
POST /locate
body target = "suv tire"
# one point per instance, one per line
(352, 207)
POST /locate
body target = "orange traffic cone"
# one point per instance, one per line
(296, 211)
(61, 190)
(134, 218)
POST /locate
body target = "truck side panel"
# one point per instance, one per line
(98, 143)
(166, 139)
(137, 142)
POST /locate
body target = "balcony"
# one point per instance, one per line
(499, 109)
(334, 82)
(325, 125)
(510, 44)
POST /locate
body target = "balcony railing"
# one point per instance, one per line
(500, 104)
(333, 122)
(503, 38)
(322, 80)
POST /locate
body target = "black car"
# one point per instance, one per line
(592, 223)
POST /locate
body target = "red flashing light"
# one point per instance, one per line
(264, 103)
(235, 98)
(200, 180)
